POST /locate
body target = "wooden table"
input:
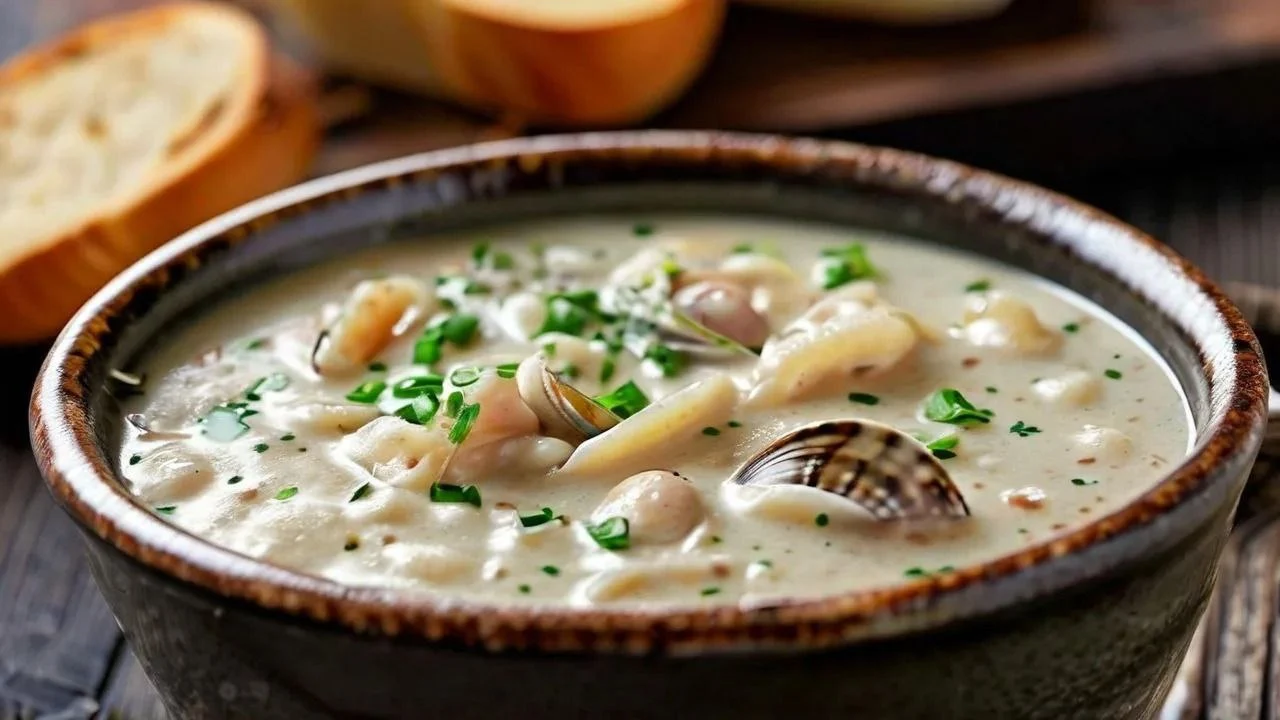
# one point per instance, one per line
(1196, 162)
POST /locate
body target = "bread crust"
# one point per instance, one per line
(264, 139)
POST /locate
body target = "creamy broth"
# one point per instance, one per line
(337, 462)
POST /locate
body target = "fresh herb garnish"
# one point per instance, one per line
(607, 368)
(1022, 429)
(992, 390)
(711, 431)
(465, 421)
(734, 424)
(612, 534)
(551, 570)
(978, 286)
(166, 509)
(944, 447)
(460, 494)
(848, 264)
(549, 349)
(669, 360)
(524, 589)
(288, 437)
(287, 493)
(1071, 328)
(949, 406)
(543, 517)
(377, 367)
(626, 401)
(420, 410)
(744, 249)
(362, 492)
(453, 405)
(708, 591)
(134, 459)
(864, 399)
(506, 371)
(352, 544)
(642, 230)
(919, 572)
(459, 329)
(822, 520)
(570, 312)
(414, 386)
(464, 376)
(367, 392)
(1113, 374)
(1082, 481)
(235, 479)
(261, 448)
(478, 254)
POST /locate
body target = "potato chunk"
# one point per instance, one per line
(1000, 321)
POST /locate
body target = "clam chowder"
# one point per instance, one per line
(669, 410)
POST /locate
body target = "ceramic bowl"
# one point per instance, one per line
(1089, 624)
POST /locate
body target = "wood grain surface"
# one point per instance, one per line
(1196, 164)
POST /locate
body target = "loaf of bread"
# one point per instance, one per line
(123, 134)
(567, 63)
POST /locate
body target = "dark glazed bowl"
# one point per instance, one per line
(1091, 624)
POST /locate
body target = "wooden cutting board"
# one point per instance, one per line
(776, 71)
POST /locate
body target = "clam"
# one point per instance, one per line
(563, 411)
(882, 469)
(675, 326)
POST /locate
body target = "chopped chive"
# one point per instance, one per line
(478, 253)
(551, 570)
(287, 493)
(352, 544)
(166, 509)
(642, 230)
(669, 360)
(822, 520)
(992, 390)
(711, 431)
(235, 479)
(1082, 481)
(716, 540)
(135, 459)
(944, 447)
(607, 368)
(864, 399)
(1113, 374)
(549, 349)
(459, 329)
(453, 405)
(949, 406)
(708, 591)
(261, 448)
(503, 261)
(459, 494)
(426, 351)
(765, 563)
(464, 376)
(420, 410)
(362, 492)
(1022, 429)
(506, 371)
(462, 426)
(612, 534)
(418, 385)
(525, 589)
(626, 401)
(978, 286)
(287, 437)
(735, 424)
(367, 392)
(915, 572)
(255, 344)
(848, 264)
(377, 367)
(569, 313)
(1071, 328)
(744, 249)
(543, 517)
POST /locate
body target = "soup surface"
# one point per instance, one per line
(394, 419)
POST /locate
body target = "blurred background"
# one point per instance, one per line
(1164, 112)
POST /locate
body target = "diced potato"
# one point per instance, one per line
(997, 320)
(1103, 444)
(1074, 388)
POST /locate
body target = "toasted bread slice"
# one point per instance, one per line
(557, 62)
(127, 132)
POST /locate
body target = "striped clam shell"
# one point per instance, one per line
(880, 468)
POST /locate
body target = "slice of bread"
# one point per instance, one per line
(123, 134)
(557, 62)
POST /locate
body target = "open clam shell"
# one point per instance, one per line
(876, 466)
(564, 411)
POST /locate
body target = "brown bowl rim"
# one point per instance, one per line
(82, 478)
